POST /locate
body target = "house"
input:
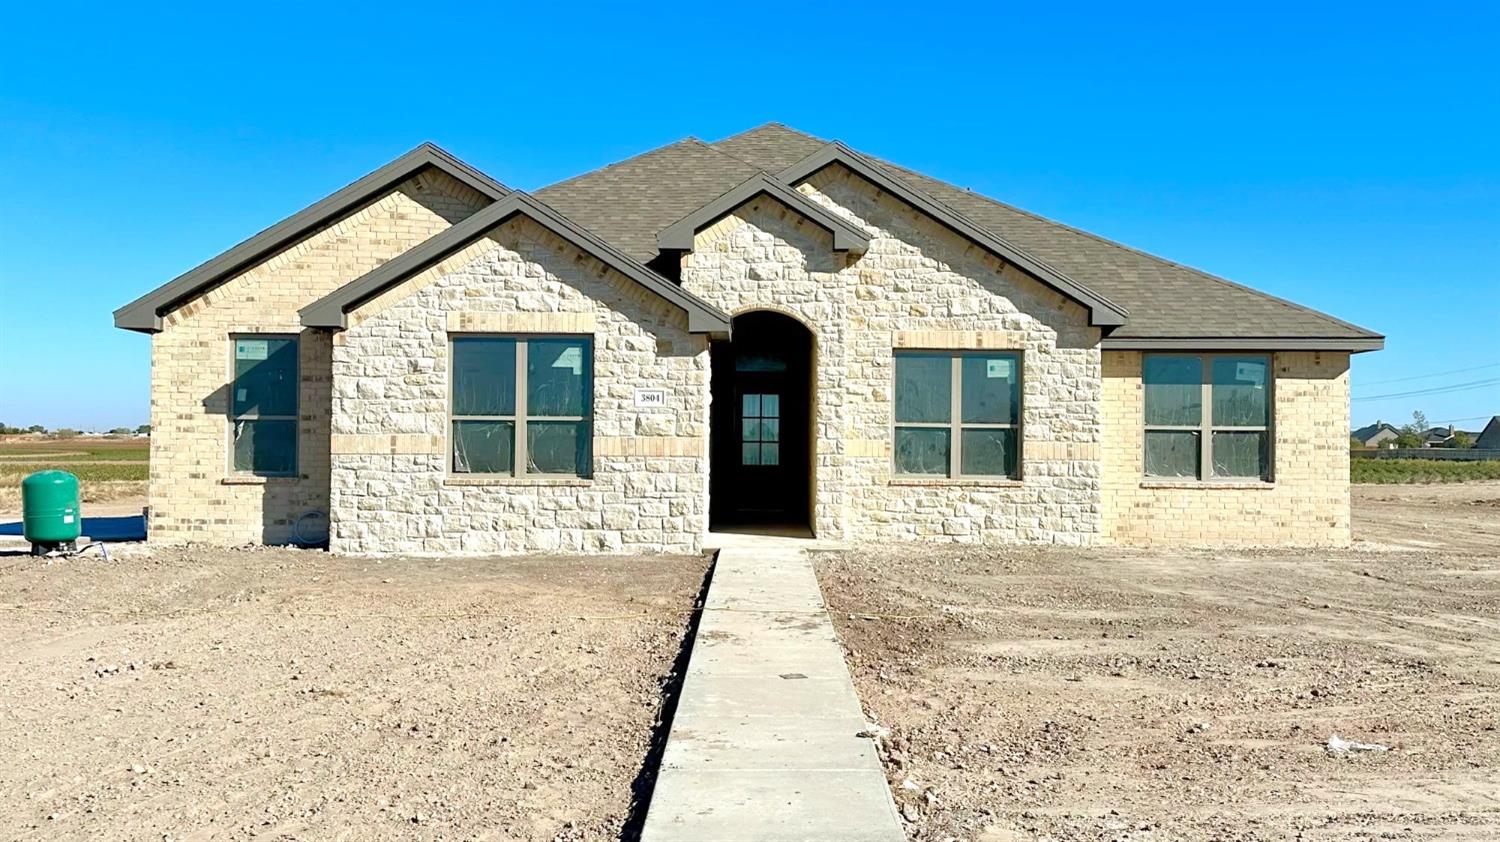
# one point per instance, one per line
(1379, 434)
(1489, 437)
(771, 329)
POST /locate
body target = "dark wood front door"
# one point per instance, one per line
(761, 471)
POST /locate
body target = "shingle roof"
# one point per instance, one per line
(629, 202)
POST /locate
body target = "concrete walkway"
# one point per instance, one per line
(765, 742)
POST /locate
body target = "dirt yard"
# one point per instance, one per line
(1109, 695)
(277, 694)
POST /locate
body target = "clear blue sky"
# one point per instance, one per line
(1346, 157)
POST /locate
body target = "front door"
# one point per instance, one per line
(760, 478)
(761, 448)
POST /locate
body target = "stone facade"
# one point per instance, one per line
(1307, 501)
(392, 491)
(375, 417)
(918, 286)
(193, 494)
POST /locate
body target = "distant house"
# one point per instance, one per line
(1379, 434)
(1489, 438)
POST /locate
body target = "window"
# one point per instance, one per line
(263, 405)
(522, 406)
(760, 429)
(958, 414)
(1207, 416)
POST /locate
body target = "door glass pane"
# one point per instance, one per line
(770, 454)
(991, 388)
(750, 406)
(1171, 453)
(558, 375)
(484, 376)
(770, 406)
(265, 447)
(924, 388)
(750, 453)
(483, 447)
(1240, 455)
(989, 453)
(558, 447)
(750, 431)
(921, 450)
(265, 376)
(1174, 390)
(770, 430)
(1239, 392)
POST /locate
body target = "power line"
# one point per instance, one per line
(1433, 374)
(1457, 387)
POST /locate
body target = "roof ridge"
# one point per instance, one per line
(1121, 246)
(771, 124)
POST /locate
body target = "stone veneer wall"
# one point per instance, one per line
(192, 494)
(1307, 503)
(918, 286)
(391, 489)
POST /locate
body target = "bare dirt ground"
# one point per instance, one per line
(275, 694)
(1108, 695)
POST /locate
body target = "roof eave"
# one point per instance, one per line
(1352, 344)
(1103, 313)
(145, 313)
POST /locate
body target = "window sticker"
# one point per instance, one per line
(251, 349)
(570, 358)
(998, 369)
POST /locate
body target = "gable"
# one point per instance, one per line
(145, 314)
(332, 310)
(679, 235)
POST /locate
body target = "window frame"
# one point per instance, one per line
(295, 417)
(955, 424)
(521, 418)
(1205, 428)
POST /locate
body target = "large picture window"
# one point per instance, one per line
(1208, 416)
(522, 406)
(958, 414)
(263, 406)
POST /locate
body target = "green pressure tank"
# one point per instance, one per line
(50, 517)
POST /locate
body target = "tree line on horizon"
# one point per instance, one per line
(66, 432)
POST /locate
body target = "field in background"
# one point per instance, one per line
(1387, 471)
(107, 468)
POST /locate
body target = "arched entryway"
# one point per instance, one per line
(761, 426)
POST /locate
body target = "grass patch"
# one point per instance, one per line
(64, 451)
(1394, 471)
(86, 472)
(92, 460)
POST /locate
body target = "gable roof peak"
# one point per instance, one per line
(145, 313)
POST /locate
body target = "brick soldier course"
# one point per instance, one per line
(865, 259)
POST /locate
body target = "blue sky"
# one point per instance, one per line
(1345, 157)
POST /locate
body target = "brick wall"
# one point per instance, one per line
(1306, 504)
(193, 496)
